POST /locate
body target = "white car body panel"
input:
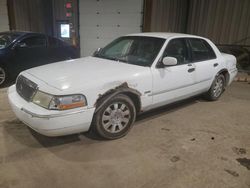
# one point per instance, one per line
(49, 123)
(175, 89)
(94, 77)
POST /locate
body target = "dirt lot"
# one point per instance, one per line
(192, 144)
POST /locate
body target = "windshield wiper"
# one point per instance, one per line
(117, 59)
(111, 58)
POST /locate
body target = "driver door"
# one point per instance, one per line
(172, 83)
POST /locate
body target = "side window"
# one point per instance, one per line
(201, 50)
(33, 42)
(178, 48)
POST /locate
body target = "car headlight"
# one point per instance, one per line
(42, 99)
(67, 102)
(59, 102)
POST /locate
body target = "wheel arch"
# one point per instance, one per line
(226, 75)
(124, 89)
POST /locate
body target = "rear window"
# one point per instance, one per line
(201, 50)
(54, 42)
(34, 42)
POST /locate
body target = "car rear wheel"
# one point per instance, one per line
(115, 118)
(217, 88)
(3, 76)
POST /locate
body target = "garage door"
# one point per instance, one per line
(101, 21)
(4, 22)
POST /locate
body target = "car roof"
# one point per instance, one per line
(164, 35)
(16, 32)
(28, 33)
(21, 33)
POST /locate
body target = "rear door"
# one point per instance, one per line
(205, 62)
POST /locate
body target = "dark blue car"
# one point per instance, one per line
(23, 50)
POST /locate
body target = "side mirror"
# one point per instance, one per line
(97, 51)
(169, 61)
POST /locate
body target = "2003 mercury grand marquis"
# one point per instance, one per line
(132, 74)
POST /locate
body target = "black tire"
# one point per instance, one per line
(3, 76)
(217, 88)
(116, 114)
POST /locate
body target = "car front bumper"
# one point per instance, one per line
(50, 122)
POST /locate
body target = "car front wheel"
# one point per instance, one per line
(115, 118)
(217, 88)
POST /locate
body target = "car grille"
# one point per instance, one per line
(25, 88)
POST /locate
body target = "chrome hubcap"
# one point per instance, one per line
(2, 75)
(218, 87)
(116, 117)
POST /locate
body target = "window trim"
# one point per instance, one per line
(207, 45)
(31, 36)
(159, 63)
(138, 36)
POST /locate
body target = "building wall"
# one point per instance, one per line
(4, 21)
(60, 12)
(31, 15)
(223, 21)
(166, 15)
(101, 21)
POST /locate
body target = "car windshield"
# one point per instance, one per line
(6, 39)
(136, 50)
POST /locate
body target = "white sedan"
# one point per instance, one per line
(132, 74)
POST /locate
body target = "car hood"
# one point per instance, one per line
(85, 73)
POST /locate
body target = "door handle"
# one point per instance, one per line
(216, 64)
(191, 69)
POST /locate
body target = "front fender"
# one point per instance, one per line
(123, 88)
